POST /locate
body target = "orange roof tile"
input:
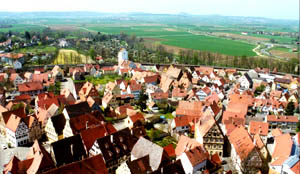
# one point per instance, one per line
(170, 150)
(258, 141)
(296, 168)
(136, 117)
(262, 128)
(283, 146)
(276, 132)
(242, 142)
(279, 161)
(185, 144)
(30, 86)
(279, 118)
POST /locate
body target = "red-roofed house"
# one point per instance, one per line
(30, 88)
(282, 122)
(260, 128)
(131, 120)
(194, 160)
(244, 155)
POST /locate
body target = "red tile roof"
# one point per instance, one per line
(30, 86)
(283, 146)
(80, 122)
(170, 150)
(160, 95)
(296, 168)
(11, 166)
(242, 142)
(22, 97)
(279, 118)
(215, 158)
(151, 79)
(89, 136)
(138, 116)
(185, 144)
(261, 128)
(193, 108)
(197, 156)
(90, 165)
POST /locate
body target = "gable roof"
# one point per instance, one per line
(283, 146)
(280, 118)
(68, 150)
(242, 142)
(197, 155)
(89, 136)
(30, 86)
(11, 166)
(78, 109)
(145, 147)
(140, 165)
(257, 127)
(185, 144)
(170, 150)
(90, 165)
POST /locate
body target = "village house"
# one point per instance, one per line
(246, 82)
(31, 88)
(132, 119)
(144, 147)
(208, 133)
(115, 148)
(38, 160)
(89, 90)
(285, 123)
(10, 58)
(16, 79)
(244, 154)
(194, 160)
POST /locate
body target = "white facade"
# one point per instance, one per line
(188, 167)
(122, 56)
(18, 138)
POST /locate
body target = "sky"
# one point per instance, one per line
(279, 9)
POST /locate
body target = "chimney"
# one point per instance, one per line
(86, 125)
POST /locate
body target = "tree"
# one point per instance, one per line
(92, 53)
(142, 99)
(289, 110)
(27, 36)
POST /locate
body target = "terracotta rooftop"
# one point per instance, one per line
(257, 127)
(30, 86)
(279, 118)
(185, 144)
(197, 155)
(170, 150)
(90, 165)
(242, 142)
(283, 146)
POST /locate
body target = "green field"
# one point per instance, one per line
(279, 39)
(212, 44)
(178, 37)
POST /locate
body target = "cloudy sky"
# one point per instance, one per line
(282, 9)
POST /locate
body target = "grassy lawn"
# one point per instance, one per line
(37, 49)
